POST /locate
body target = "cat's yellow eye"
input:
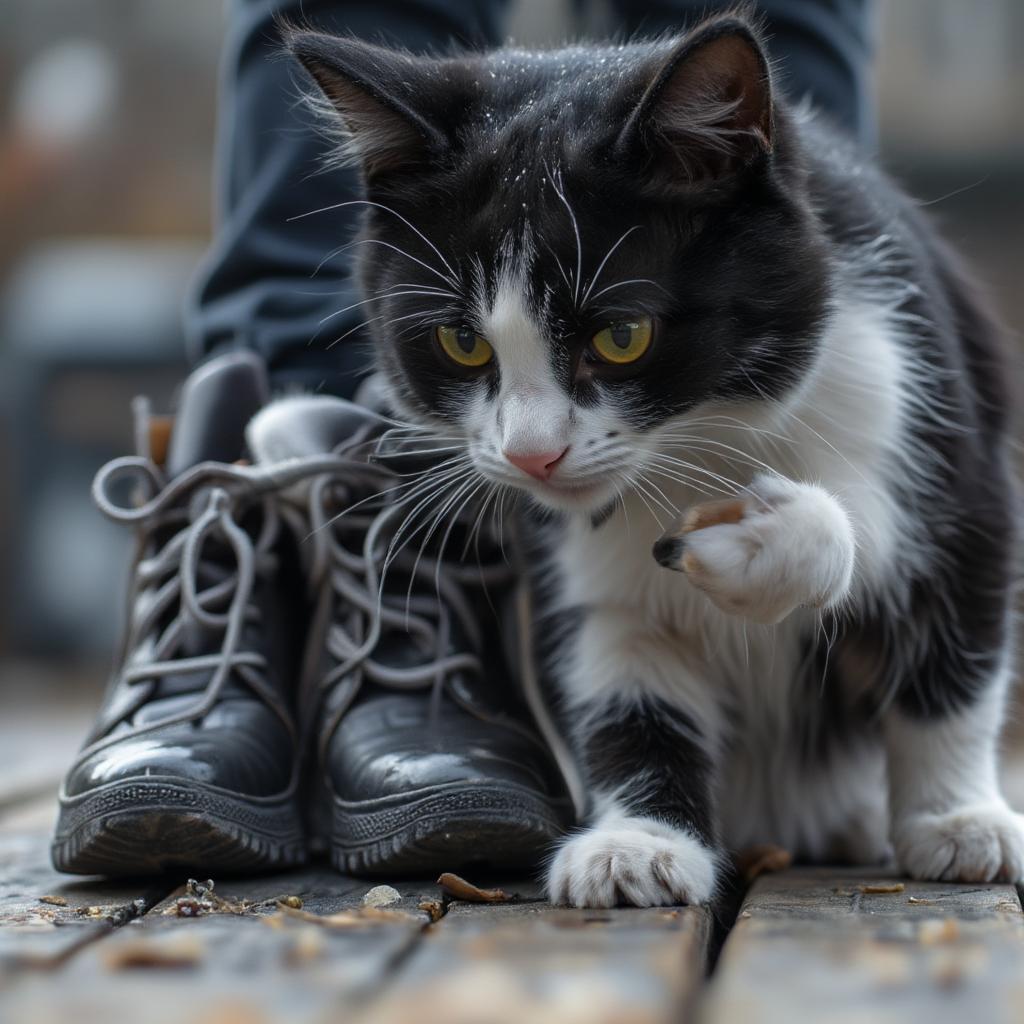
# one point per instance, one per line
(623, 342)
(464, 346)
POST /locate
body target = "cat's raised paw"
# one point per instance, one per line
(627, 864)
(982, 843)
(761, 555)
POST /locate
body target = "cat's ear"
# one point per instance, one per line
(706, 111)
(376, 94)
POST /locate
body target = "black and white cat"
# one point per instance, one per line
(633, 283)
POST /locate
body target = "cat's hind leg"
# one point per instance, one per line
(949, 818)
(948, 669)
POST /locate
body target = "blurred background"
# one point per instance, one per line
(107, 112)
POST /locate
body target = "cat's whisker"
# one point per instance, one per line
(698, 485)
(608, 256)
(644, 494)
(454, 518)
(408, 256)
(697, 443)
(670, 506)
(557, 185)
(374, 319)
(408, 527)
(474, 532)
(499, 520)
(381, 296)
(345, 309)
(760, 435)
(387, 209)
(828, 444)
(431, 451)
(690, 467)
(438, 518)
(787, 410)
(341, 249)
(354, 507)
(425, 482)
(401, 436)
(561, 269)
(352, 330)
(430, 288)
(625, 509)
(374, 497)
(622, 284)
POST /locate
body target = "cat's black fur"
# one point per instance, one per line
(669, 172)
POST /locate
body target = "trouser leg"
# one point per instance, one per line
(822, 49)
(260, 287)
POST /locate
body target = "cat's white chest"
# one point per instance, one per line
(615, 568)
(613, 565)
(647, 631)
(668, 624)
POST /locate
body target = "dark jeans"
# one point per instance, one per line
(260, 287)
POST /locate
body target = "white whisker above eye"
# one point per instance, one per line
(557, 185)
(623, 284)
(408, 256)
(453, 277)
(352, 330)
(607, 257)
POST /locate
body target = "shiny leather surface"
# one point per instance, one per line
(390, 744)
(241, 744)
(237, 747)
(473, 729)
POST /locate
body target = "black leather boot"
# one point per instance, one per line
(427, 757)
(193, 759)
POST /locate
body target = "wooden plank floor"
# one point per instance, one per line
(807, 945)
(836, 946)
(812, 945)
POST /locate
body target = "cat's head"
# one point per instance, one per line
(567, 251)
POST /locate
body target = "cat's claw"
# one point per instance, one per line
(644, 867)
(761, 555)
(982, 843)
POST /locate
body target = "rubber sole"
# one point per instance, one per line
(496, 828)
(153, 826)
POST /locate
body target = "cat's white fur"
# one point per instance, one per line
(643, 860)
(825, 529)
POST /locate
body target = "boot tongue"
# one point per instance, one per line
(312, 425)
(217, 401)
(315, 424)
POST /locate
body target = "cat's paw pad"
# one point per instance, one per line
(759, 556)
(604, 867)
(983, 843)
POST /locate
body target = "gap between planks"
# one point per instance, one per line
(808, 945)
(812, 945)
(492, 963)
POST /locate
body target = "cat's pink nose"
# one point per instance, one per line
(539, 465)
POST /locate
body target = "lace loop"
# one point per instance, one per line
(351, 551)
(347, 511)
(204, 563)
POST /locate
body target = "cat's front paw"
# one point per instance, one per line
(981, 843)
(635, 862)
(765, 553)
